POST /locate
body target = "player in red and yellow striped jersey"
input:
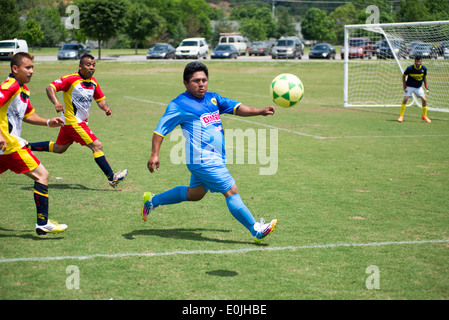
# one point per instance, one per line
(79, 89)
(15, 107)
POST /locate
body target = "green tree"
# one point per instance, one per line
(142, 22)
(52, 27)
(9, 22)
(285, 24)
(258, 24)
(169, 11)
(102, 19)
(317, 26)
(438, 9)
(343, 15)
(33, 32)
(383, 5)
(413, 10)
(195, 17)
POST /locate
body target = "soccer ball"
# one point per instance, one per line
(286, 90)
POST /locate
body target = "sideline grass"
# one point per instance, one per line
(378, 181)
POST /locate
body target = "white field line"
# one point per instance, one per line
(229, 251)
(301, 133)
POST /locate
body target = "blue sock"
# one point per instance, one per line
(41, 200)
(241, 212)
(101, 161)
(41, 146)
(172, 196)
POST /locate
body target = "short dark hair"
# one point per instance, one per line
(418, 57)
(193, 67)
(86, 55)
(18, 57)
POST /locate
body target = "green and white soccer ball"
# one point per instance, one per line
(286, 90)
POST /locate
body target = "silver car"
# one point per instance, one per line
(72, 51)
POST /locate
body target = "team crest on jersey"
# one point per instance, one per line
(214, 101)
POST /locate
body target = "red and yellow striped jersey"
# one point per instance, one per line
(14, 107)
(78, 93)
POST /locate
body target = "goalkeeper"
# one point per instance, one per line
(198, 113)
(416, 75)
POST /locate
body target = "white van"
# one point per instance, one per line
(195, 48)
(8, 48)
(238, 42)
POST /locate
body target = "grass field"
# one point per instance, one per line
(353, 189)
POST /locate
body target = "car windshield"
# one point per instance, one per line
(223, 47)
(189, 43)
(356, 43)
(7, 45)
(320, 47)
(159, 47)
(423, 47)
(69, 47)
(257, 44)
(285, 43)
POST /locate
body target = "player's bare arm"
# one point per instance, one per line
(51, 94)
(37, 120)
(2, 142)
(246, 111)
(104, 106)
(425, 84)
(153, 162)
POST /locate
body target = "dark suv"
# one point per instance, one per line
(288, 48)
(386, 52)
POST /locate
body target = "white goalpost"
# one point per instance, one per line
(373, 67)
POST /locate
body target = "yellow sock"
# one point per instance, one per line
(402, 110)
(424, 111)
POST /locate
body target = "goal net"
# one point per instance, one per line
(378, 54)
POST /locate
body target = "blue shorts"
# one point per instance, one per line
(213, 179)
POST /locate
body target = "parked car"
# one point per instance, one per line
(426, 50)
(358, 48)
(8, 48)
(322, 51)
(72, 51)
(259, 48)
(446, 53)
(161, 51)
(412, 45)
(288, 47)
(376, 46)
(195, 48)
(236, 40)
(442, 46)
(225, 51)
(386, 52)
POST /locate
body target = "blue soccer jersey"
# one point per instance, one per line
(415, 77)
(201, 125)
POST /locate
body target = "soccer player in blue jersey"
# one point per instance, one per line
(416, 74)
(198, 113)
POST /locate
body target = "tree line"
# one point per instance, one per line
(140, 23)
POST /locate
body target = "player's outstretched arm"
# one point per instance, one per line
(36, 120)
(153, 162)
(245, 111)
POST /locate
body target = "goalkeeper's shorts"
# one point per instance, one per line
(418, 91)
